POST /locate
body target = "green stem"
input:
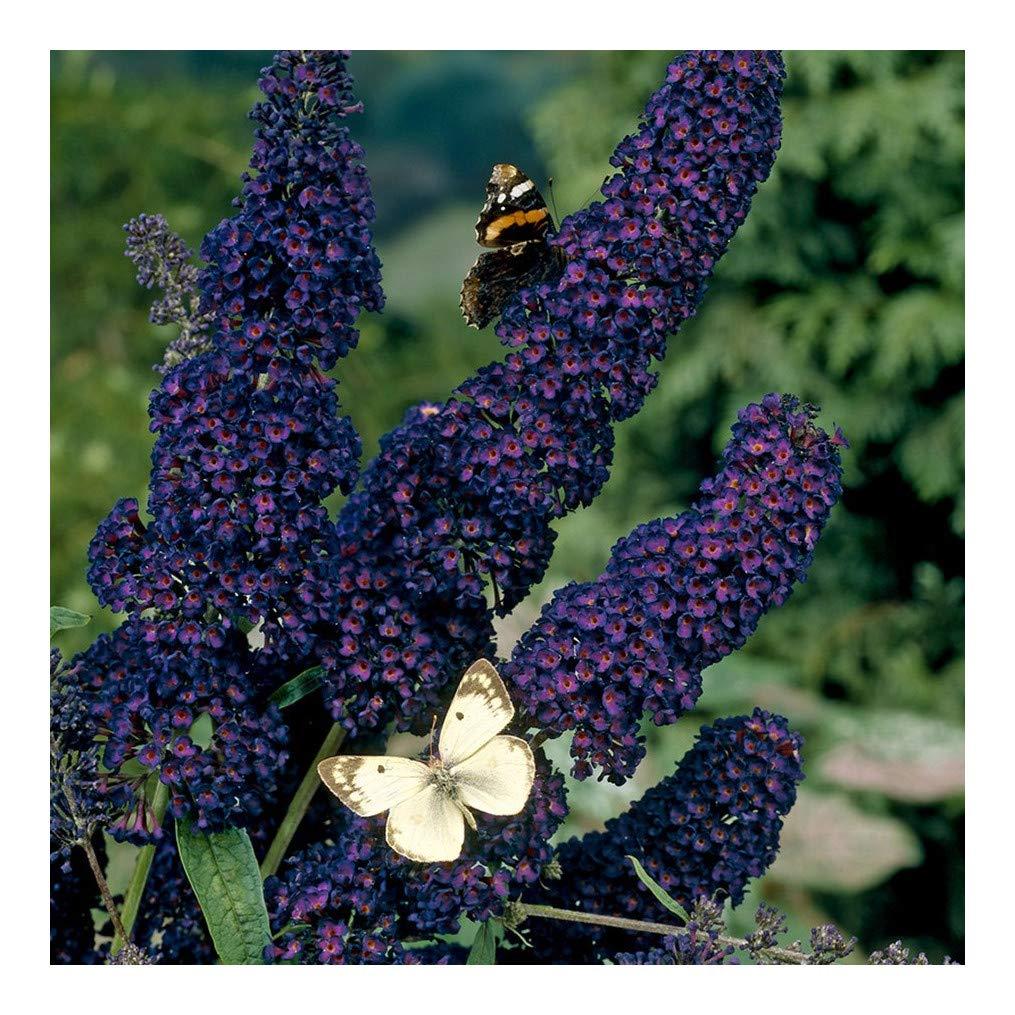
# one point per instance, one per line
(299, 803)
(526, 909)
(139, 878)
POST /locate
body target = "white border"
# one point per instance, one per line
(513, 25)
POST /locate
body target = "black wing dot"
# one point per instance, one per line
(380, 768)
(459, 715)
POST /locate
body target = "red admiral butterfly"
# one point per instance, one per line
(514, 221)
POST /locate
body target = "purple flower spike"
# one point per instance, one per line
(702, 833)
(248, 437)
(680, 593)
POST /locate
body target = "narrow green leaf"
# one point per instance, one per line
(299, 687)
(290, 928)
(484, 947)
(222, 870)
(60, 618)
(658, 891)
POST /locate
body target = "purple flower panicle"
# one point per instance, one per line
(248, 443)
(248, 437)
(680, 593)
(701, 833)
(289, 273)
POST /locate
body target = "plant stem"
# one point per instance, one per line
(299, 803)
(139, 878)
(100, 880)
(526, 909)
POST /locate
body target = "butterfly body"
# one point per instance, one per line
(514, 221)
(429, 804)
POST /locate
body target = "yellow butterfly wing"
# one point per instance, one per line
(428, 828)
(498, 778)
(369, 786)
(480, 709)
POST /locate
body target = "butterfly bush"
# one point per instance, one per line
(463, 494)
(358, 899)
(678, 594)
(248, 443)
(248, 440)
(701, 833)
(146, 706)
(391, 597)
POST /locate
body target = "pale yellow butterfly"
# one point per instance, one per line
(474, 767)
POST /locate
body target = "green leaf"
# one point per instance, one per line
(60, 618)
(658, 891)
(484, 947)
(299, 687)
(222, 870)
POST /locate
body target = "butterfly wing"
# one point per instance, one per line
(498, 778)
(480, 709)
(428, 827)
(369, 786)
(499, 274)
(515, 211)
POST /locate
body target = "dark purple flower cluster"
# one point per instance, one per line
(360, 900)
(393, 598)
(639, 262)
(701, 833)
(163, 261)
(463, 494)
(680, 593)
(248, 437)
(170, 927)
(299, 252)
(187, 720)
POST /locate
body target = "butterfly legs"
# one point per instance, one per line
(467, 814)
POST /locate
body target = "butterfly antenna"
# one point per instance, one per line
(553, 203)
(597, 192)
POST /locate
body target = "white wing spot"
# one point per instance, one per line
(521, 188)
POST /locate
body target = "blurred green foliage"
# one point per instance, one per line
(844, 287)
